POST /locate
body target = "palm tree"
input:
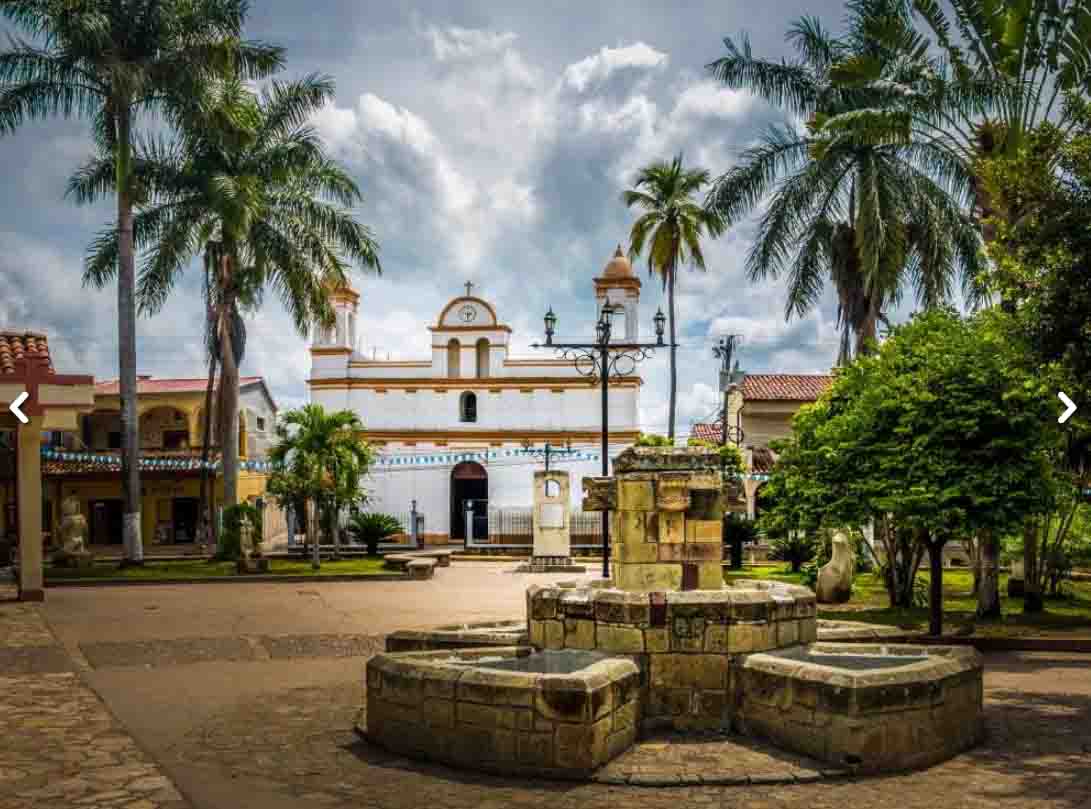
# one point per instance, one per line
(988, 74)
(319, 456)
(109, 61)
(246, 184)
(861, 212)
(671, 227)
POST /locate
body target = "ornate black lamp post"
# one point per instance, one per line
(599, 361)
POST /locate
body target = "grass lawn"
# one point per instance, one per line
(197, 569)
(1071, 614)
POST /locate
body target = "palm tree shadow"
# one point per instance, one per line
(372, 755)
(1041, 741)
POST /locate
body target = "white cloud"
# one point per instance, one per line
(709, 99)
(595, 69)
(455, 43)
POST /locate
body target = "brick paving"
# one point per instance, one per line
(60, 746)
(301, 743)
(289, 744)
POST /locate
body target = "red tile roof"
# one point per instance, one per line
(707, 432)
(786, 387)
(147, 384)
(15, 346)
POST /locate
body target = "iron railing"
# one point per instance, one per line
(513, 527)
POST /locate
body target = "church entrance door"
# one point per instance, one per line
(469, 482)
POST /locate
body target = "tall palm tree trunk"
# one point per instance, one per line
(205, 509)
(126, 350)
(674, 353)
(229, 382)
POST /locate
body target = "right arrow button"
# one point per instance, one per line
(1069, 407)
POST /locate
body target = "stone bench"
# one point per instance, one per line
(443, 558)
(398, 561)
(421, 568)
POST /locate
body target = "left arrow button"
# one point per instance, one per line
(14, 407)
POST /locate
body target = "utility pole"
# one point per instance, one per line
(723, 351)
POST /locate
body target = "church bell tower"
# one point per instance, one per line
(619, 288)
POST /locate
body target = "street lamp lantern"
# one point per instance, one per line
(600, 362)
(660, 320)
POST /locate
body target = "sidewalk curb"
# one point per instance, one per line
(233, 579)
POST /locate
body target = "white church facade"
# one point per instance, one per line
(454, 429)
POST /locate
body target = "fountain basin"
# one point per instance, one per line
(460, 636)
(560, 713)
(684, 640)
(872, 707)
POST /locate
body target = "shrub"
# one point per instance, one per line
(795, 549)
(653, 440)
(809, 573)
(230, 538)
(371, 529)
(736, 526)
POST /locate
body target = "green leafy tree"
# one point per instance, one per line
(940, 432)
(859, 211)
(319, 457)
(671, 227)
(1042, 269)
(108, 61)
(247, 186)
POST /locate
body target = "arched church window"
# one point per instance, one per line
(482, 358)
(454, 363)
(467, 406)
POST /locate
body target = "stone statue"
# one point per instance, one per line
(835, 577)
(246, 538)
(73, 535)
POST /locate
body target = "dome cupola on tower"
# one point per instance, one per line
(618, 266)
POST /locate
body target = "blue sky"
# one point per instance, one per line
(492, 142)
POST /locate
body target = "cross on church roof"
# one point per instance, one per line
(469, 287)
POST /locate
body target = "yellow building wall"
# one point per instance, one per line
(156, 503)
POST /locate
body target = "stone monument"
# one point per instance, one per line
(73, 535)
(834, 584)
(666, 521)
(551, 520)
(250, 559)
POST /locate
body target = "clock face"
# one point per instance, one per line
(467, 313)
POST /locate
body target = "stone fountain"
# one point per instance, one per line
(664, 644)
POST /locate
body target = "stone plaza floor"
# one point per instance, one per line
(245, 696)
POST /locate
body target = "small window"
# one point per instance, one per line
(467, 407)
(552, 488)
(261, 424)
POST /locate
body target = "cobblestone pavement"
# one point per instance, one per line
(1037, 755)
(247, 698)
(60, 747)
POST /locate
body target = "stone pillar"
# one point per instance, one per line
(551, 518)
(667, 522)
(750, 489)
(29, 494)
